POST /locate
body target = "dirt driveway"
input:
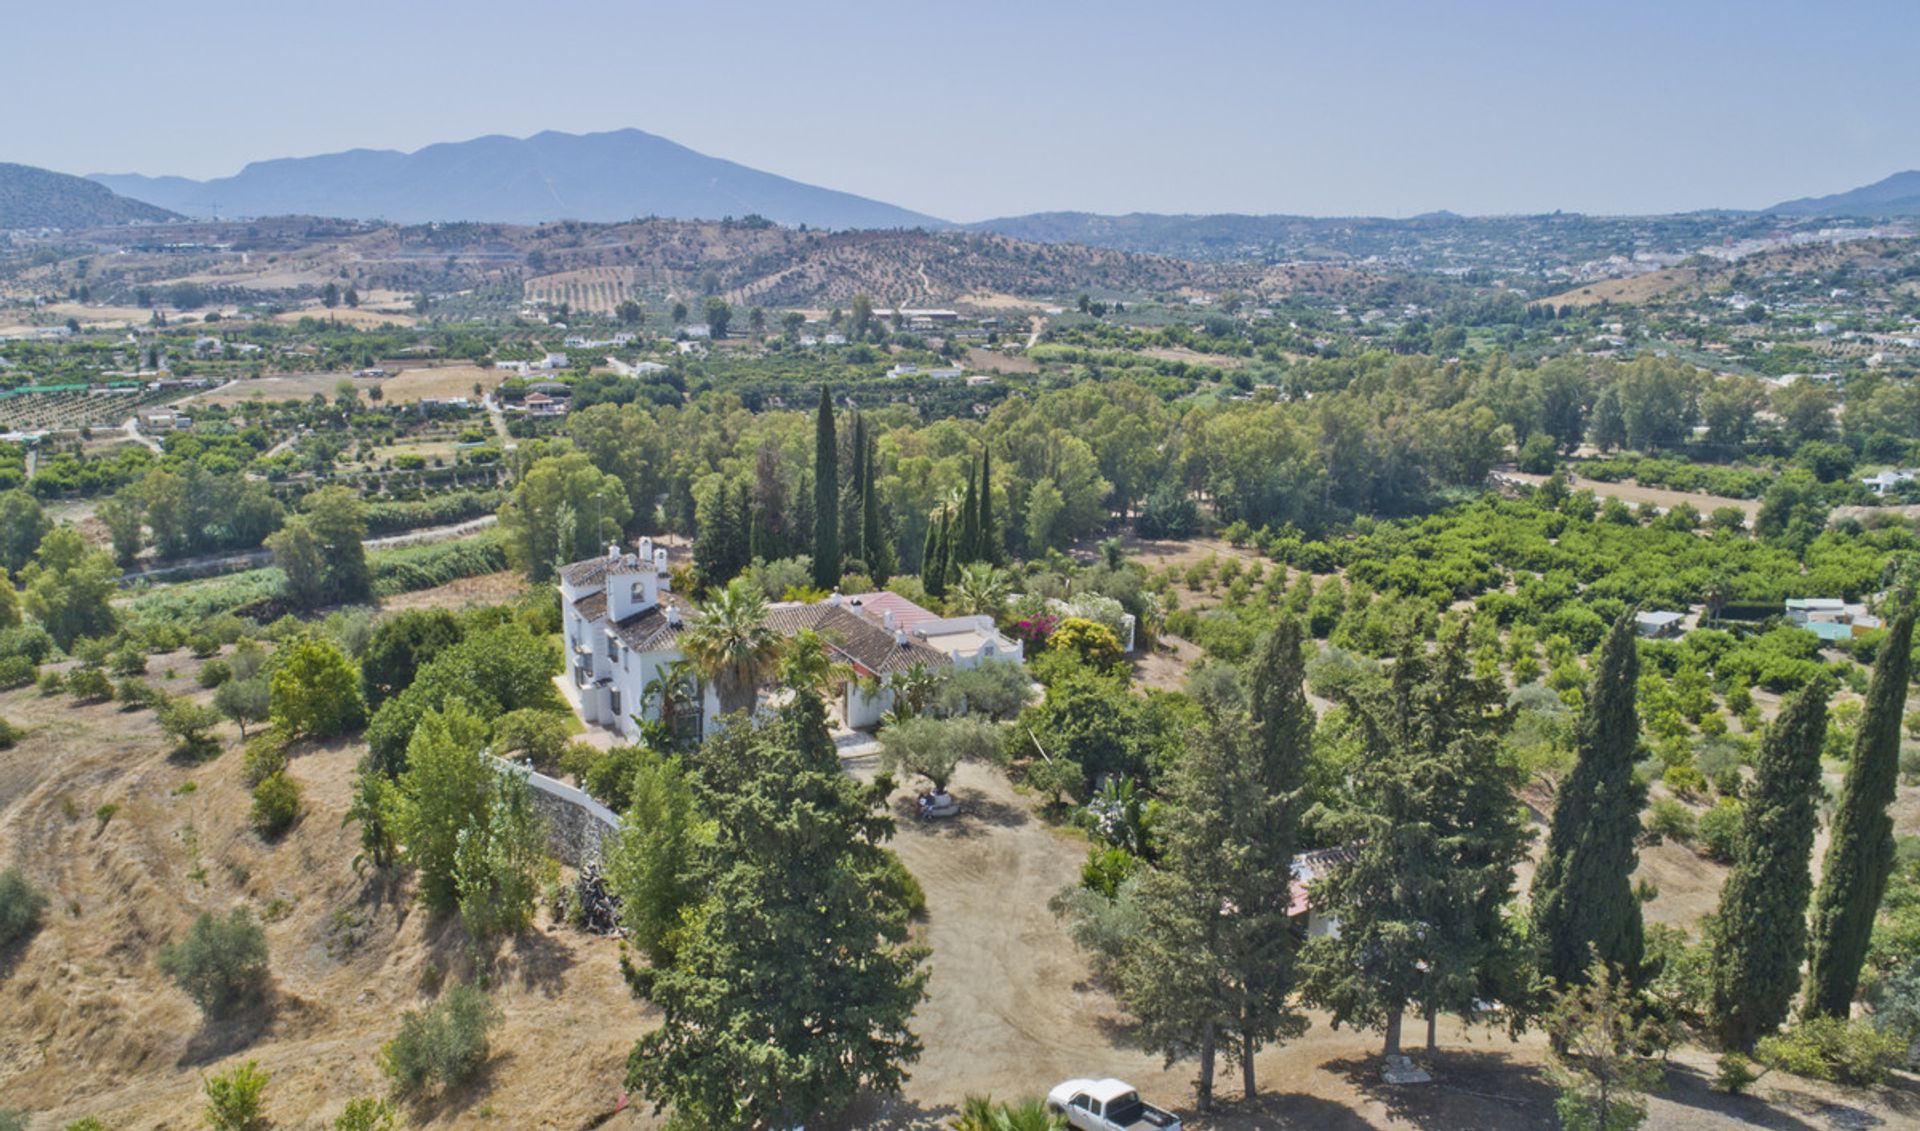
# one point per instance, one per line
(1011, 1010)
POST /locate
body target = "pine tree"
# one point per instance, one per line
(826, 497)
(1214, 934)
(989, 530)
(967, 550)
(934, 574)
(1434, 839)
(1860, 853)
(1760, 935)
(1584, 907)
(716, 549)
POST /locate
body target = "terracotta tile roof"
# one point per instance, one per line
(906, 614)
(593, 606)
(859, 639)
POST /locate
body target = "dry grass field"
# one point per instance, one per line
(279, 387)
(1635, 288)
(410, 385)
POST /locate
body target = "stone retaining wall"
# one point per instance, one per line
(579, 828)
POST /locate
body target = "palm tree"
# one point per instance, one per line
(807, 664)
(981, 1113)
(674, 692)
(732, 646)
(912, 690)
(981, 588)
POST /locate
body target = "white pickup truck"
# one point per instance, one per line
(1107, 1105)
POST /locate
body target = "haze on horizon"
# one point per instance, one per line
(1001, 108)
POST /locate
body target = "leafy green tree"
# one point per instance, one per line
(497, 861)
(563, 510)
(315, 689)
(1860, 850)
(245, 701)
(338, 521)
(492, 670)
(124, 519)
(719, 315)
(1584, 907)
(1793, 512)
(22, 525)
(733, 646)
(1435, 837)
(791, 989)
(651, 868)
(1600, 1033)
(401, 645)
(70, 587)
(626, 442)
(190, 725)
(298, 552)
(367, 1113)
(934, 748)
(221, 963)
(443, 794)
(1760, 935)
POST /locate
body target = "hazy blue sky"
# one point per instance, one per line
(980, 109)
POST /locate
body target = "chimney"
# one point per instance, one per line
(613, 551)
(900, 638)
(646, 547)
(660, 562)
(886, 618)
(834, 600)
(673, 616)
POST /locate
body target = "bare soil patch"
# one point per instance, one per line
(1634, 494)
(411, 385)
(993, 361)
(486, 589)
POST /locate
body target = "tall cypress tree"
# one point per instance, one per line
(1860, 854)
(933, 575)
(826, 497)
(928, 546)
(967, 550)
(1583, 902)
(1760, 935)
(989, 531)
(853, 525)
(878, 549)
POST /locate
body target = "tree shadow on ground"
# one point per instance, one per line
(434, 1103)
(1468, 1089)
(979, 815)
(540, 961)
(892, 1113)
(1689, 1087)
(273, 1013)
(1280, 1111)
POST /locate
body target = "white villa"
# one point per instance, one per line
(622, 623)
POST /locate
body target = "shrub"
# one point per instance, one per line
(1667, 818)
(233, 1098)
(1686, 781)
(1106, 869)
(90, 685)
(21, 905)
(368, 1113)
(135, 694)
(9, 734)
(900, 887)
(191, 726)
(16, 671)
(276, 805)
(1735, 1074)
(213, 673)
(128, 660)
(444, 1043)
(1720, 831)
(266, 755)
(1828, 1048)
(221, 964)
(1095, 644)
(87, 1123)
(52, 682)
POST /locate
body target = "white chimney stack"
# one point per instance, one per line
(660, 561)
(613, 551)
(886, 618)
(834, 600)
(900, 637)
(673, 616)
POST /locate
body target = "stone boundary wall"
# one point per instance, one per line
(579, 828)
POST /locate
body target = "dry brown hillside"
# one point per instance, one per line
(88, 1026)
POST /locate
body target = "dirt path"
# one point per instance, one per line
(1635, 494)
(209, 565)
(131, 426)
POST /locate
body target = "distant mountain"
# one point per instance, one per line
(40, 198)
(602, 177)
(1898, 195)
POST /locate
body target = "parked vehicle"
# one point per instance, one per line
(1108, 1105)
(934, 805)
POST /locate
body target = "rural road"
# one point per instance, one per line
(131, 426)
(499, 420)
(208, 565)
